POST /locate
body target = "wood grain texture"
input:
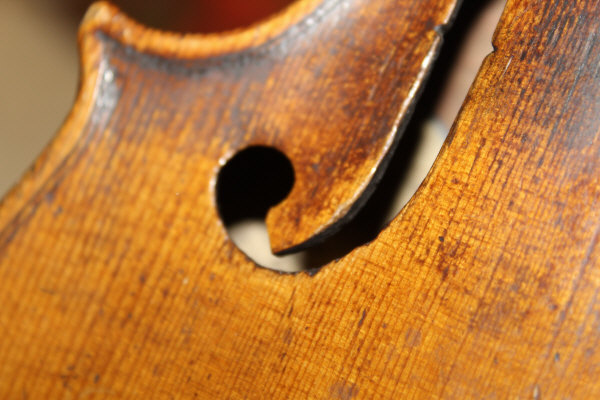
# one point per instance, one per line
(281, 84)
(117, 279)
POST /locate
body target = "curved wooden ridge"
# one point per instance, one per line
(118, 280)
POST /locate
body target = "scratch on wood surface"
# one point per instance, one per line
(362, 318)
(506, 67)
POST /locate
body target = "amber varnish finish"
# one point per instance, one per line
(117, 279)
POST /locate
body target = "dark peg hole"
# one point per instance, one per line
(248, 185)
(254, 180)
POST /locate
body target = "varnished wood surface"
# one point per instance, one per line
(117, 279)
(304, 82)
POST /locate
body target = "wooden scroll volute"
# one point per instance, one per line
(327, 83)
(117, 279)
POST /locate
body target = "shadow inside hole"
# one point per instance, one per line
(253, 181)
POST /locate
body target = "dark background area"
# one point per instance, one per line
(183, 15)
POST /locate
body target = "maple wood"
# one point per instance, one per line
(117, 278)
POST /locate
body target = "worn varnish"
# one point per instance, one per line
(117, 278)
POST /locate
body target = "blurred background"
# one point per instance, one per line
(38, 80)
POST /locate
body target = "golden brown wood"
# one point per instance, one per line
(117, 278)
(295, 82)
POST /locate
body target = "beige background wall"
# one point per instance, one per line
(38, 78)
